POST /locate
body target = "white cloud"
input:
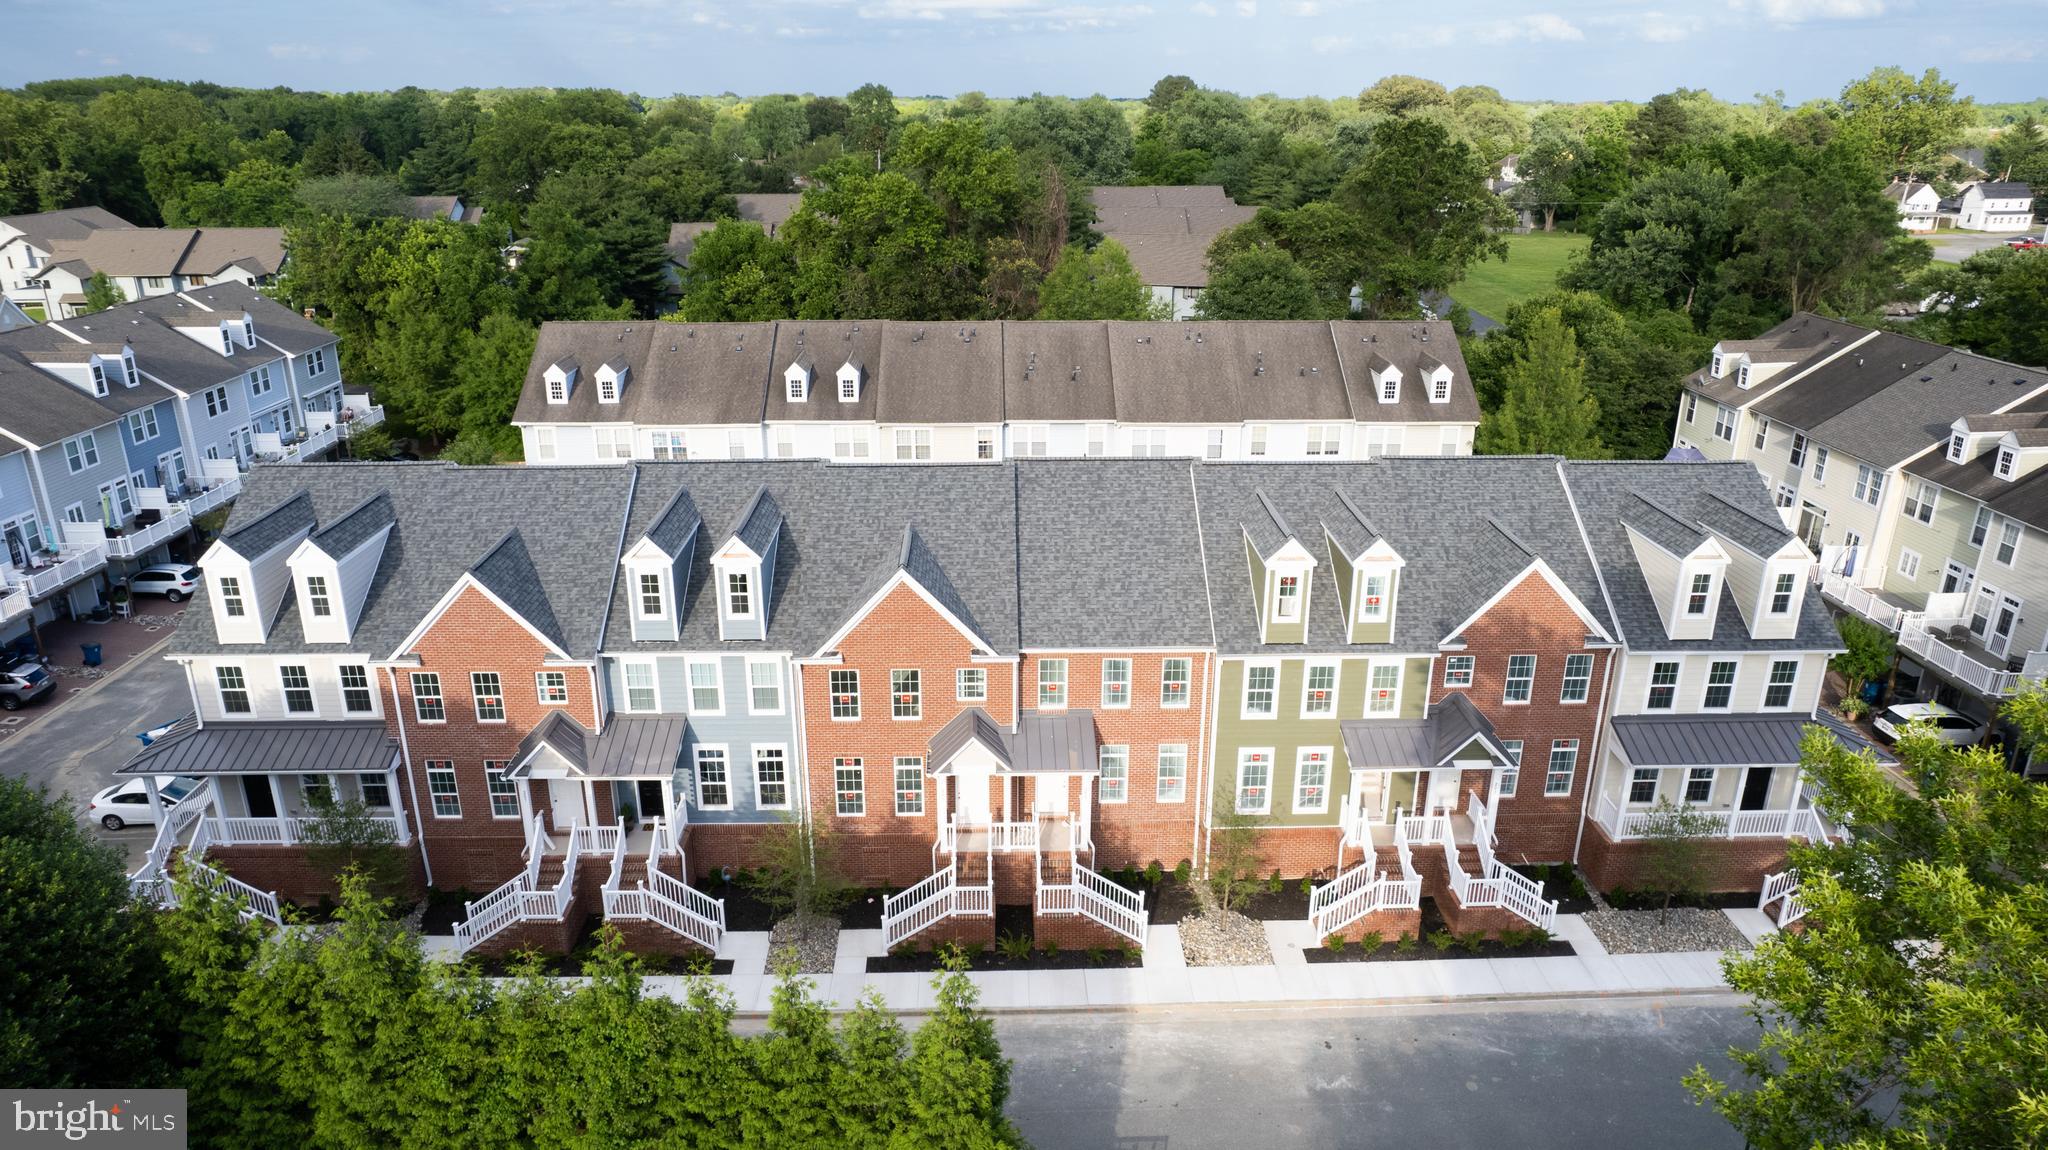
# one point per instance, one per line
(187, 42)
(1307, 8)
(1204, 8)
(296, 51)
(1020, 15)
(1801, 11)
(2012, 52)
(1654, 26)
(1247, 7)
(1329, 45)
(800, 32)
(1536, 28)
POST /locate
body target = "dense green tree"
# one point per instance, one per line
(1817, 231)
(257, 193)
(871, 118)
(736, 273)
(1089, 139)
(2020, 152)
(1402, 95)
(1257, 281)
(1675, 127)
(1166, 90)
(1995, 303)
(1426, 211)
(776, 126)
(1659, 245)
(102, 293)
(489, 370)
(1908, 123)
(592, 249)
(80, 1002)
(826, 117)
(354, 194)
(443, 162)
(1906, 1011)
(1545, 406)
(1100, 284)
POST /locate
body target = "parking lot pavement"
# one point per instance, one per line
(1955, 247)
(76, 745)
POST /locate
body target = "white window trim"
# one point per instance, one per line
(862, 790)
(2018, 537)
(440, 696)
(1372, 669)
(540, 691)
(781, 689)
(1301, 755)
(626, 686)
(1707, 684)
(1906, 553)
(1509, 777)
(753, 592)
(1237, 796)
(661, 581)
(1187, 694)
(311, 693)
(476, 703)
(1562, 699)
(758, 748)
(1158, 776)
(1763, 702)
(1130, 677)
(1102, 793)
(717, 666)
(1244, 697)
(960, 683)
(1066, 685)
(1571, 777)
(433, 807)
(831, 709)
(1308, 670)
(893, 692)
(1471, 672)
(897, 765)
(1507, 678)
(220, 691)
(1367, 612)
(1650, 685)
(697, 775)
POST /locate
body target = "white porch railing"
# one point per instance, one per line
(1002, 837)
(1800, 822)
(14, 602)
(73, 562)
(912, 910)
(1384, 892)
(1957, 663)
(143, 540)
(662, 897)
(151, 882)
(521, 898)
(1863, 601)
(1093, 897)
(1783, 888)
(1501, 887)
(255, 903)
(224, 488)
(1423, 828)
(287, 831)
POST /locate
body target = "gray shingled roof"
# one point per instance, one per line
(349, 532)
(1605, 493)
(348, 747)
(1855, 377)
(263, 532)
(1916, 410)
(46, 229)
(275, 323)
(1405, 344)
(507, 571)
(1464, 526)
(1109, 555)
(1057, 370)
(972, 723)
(1710, 740)
(760, 522)
(828, 344)
(448, 519)
(940, 373)
(1805, 338)
(44, 343)
(675, 524)
(918, 562)
(42, 409)
(162, 352)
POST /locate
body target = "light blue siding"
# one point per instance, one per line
(142, 456)
(736, 729)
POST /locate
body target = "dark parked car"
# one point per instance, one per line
(23, 680)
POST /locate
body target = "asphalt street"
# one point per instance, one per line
(1539, 1075)
(1955, 247)
(75, 747)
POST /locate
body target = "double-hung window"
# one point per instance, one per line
(1763, 432)
(1319, 690)
(355, 689)
(1724, 423)
(1325, 440)
(970, 684)
(909, 785)
(739, 595)
(1820, 463)
(1258, 690)
(1699, 785)
(441, 789)
(489, 692)
(1663, 686)
(426, 697)
(764, 686)
(1511, 773)
(1720, 685)
(1869, 484)
(1373, 605)
(849, 795)
(906, 694)
(503, 792)
(1383, 689)
(707, 692)
(650, 594)
(1778, 691)
(1781, 592)
(1692, 405)
(1174, 677)
(298, 689)
(1116, 683)
(316, 596)
(1287, 597)
(1312, 780)
(714, 784)
(376, 791)
(2008, 543)
(1114, 783)
(1701, 592)
(1172, 785)
(771, 778)
(234, 690)
(640, 690)
(552, 687)
(984, 443)
(1980, 528)
(81, 453)
(1578, 679)
(1521, 681)
(1919, 503)
(845, 688)
(1254, 780)
(1564, 760)
(1798, 457)
(1458, 670)
(1642, 785)
(913, 443)
(1052, 683)
(142, 425)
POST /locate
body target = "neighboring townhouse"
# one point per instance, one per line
(768, 209)
(26, 243)
(889, 391)
(1411, 662)
(1168, 230)
(1996, 206)
(1727, 644)
(146, 262)
(450, 208)
(1918, 203)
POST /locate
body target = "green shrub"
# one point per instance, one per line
(1132, 953)
(1014, 946)
(1154, 872)
(1182, 870)
(1308, 886)
(1442, 940)
(1472, 941)
(1514, 939)
(1274, 884)
(1097, 955)
(1334, 943)
(974, 950)
(1371, 940)
(1405, 943)
(1050, 948)
(951, 954)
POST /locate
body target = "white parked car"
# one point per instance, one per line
(174, 581)
(126, 802)
(1950, 726)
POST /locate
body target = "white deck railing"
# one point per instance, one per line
(1783, 889)
(1863, 601)
(1384, 892)
(661, 897)
(1957, 663)
(1003, 837)
(519, 899)
(1423, 828)
(223, 489)
(254, 903)
(910, 911)
(286, 831)
(141, 541)
(1797, 822)
(73, 563)
(1502, 887)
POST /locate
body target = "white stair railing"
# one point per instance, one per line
(1108, 904)
(1783, 888)
(1384, 892)
(518, 899)
(910, 911)
(1502, 887)
(1342, 887)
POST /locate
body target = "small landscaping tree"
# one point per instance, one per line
(798, 870)
(102, 293)
(1236, 856)
(1675, 842)
(1870, 654)
(343, 835)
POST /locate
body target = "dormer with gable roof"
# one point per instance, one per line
(94, 368)
(1368, 574)
(1281, 568)
(852, 376)
(797, 377)
(333, 569)
(248, 570)
(1766, 570)
(560, 378)
(1386, 378)
(743, 570)
(1436, 378)
(1683, 565)
(611, 380)
(657, 570)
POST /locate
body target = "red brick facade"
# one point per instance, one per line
(475, 850)
(1729, 865)
(288, 873)
(1532, 619)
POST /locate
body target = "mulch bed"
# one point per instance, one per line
(925, 961)
(1621, 899)
(744, 909)
(1166, 903)
(863, 909)
(444, 910)
(1557, 880)
(1388, 952)
(1288, 904)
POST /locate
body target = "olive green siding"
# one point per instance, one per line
(1382, 631)
(1340, 568)
(1287, 732)
(1276, 632)
(1948, 537)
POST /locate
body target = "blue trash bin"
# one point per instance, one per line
(92, 653)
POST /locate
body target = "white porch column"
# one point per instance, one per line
(283, 813)
(525, 792)
(590, 803)
(398, 805)
(1088, 807)
(156, 802)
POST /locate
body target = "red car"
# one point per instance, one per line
(2025, 243)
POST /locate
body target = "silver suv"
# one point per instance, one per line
(174, 581)
(23, 680)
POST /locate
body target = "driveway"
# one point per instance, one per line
(75, 747)
(1546, 1075)
(1955, 247)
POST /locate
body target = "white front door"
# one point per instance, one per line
(1443, 790)
(565, 798)
(970, 797)
(2003, 620)
(1049, 794)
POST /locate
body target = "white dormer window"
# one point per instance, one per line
(1742, 376)
(849, 383)
(561, 380)
(1717, 365)
(99, 378)
(1390, 387)
(248, 332)
(1440, 388)
(130, 377)
(2006, 458)
(558, 390)
(607, 388)
(1955, 448)
(1373, 600)
(739, 595)
(798, 382)
(317, 600)
(650, 598)
(231, 602)
(1287, 598)
(1700, 594)
(227, 341)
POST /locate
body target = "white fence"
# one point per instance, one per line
(1802, 822)
(1095, 898)
(1783, 889)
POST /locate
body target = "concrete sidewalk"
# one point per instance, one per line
(1166, 979)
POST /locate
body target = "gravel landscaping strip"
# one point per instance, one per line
(815, 938)
(1639, 932)
(1224, 938)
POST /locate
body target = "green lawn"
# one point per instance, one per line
(1531, 269)
(34, 312)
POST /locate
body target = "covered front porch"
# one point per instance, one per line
(1433, 779)
(572, 779)
(1033, 791)
(1740, 771)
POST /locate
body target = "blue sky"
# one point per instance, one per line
(1538, 49)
